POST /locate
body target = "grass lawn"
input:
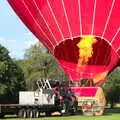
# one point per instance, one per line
(113, 116)
(109, 115)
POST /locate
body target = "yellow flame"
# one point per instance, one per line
(85, 50)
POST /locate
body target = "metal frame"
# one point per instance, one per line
(43, 83)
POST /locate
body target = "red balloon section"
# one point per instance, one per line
(60, 24)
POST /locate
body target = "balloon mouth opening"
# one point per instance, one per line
(69, 52)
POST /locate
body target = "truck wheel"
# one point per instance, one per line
(22, 113)
(29, 113)
(35, 113)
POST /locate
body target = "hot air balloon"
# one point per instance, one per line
(83, 36)
(67, 27)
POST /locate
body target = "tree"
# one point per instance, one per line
(11, 77)
(112, 86)
(39, 63)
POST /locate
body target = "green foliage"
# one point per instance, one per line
(112, 86)
(11, 77)
(39, 63)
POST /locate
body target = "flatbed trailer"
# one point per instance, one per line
(32, 103)
(28, 111)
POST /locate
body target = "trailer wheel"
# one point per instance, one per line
(29, 113)
(35, 113)
(22, 113)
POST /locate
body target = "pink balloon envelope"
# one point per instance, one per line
(60, 24)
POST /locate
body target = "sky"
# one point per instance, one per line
(14, 35)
